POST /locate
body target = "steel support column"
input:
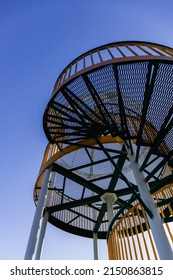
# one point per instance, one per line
(37, 217)
(44, 221)
(156, 226)
(95, 245)
(41, 236)
(109, 198)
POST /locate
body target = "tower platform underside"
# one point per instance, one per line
(107, 103)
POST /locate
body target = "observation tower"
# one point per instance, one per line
(107, 171)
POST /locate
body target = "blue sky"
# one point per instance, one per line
(38, 38)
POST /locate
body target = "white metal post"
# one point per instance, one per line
(41, 236)
(42, 231)
(37, 217)
(95, 245)
(52, 183)
(156, 225)
(109, 198)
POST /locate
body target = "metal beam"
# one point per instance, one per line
(164, 129)
(54, 105)
(157, 168)
(76, 178)
(72, 204)
(93, 163)
(111, 187)
(149, 86)
(124, 126)
(84, 104)
(100, 104)
(68, 95)
(155, 186)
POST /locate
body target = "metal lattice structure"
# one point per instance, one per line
(111, 108)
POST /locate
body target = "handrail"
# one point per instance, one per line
(109, 52)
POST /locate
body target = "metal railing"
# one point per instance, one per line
(110, 53)
(131, 237)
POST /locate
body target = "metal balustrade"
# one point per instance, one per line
(115, 52)
(131, 237)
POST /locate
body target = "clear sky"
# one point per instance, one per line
(38, 38)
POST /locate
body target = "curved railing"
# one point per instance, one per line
(80, 218)
(112, 52)
(131, 237)
(52, 154)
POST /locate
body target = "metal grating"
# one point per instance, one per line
(109, 102)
